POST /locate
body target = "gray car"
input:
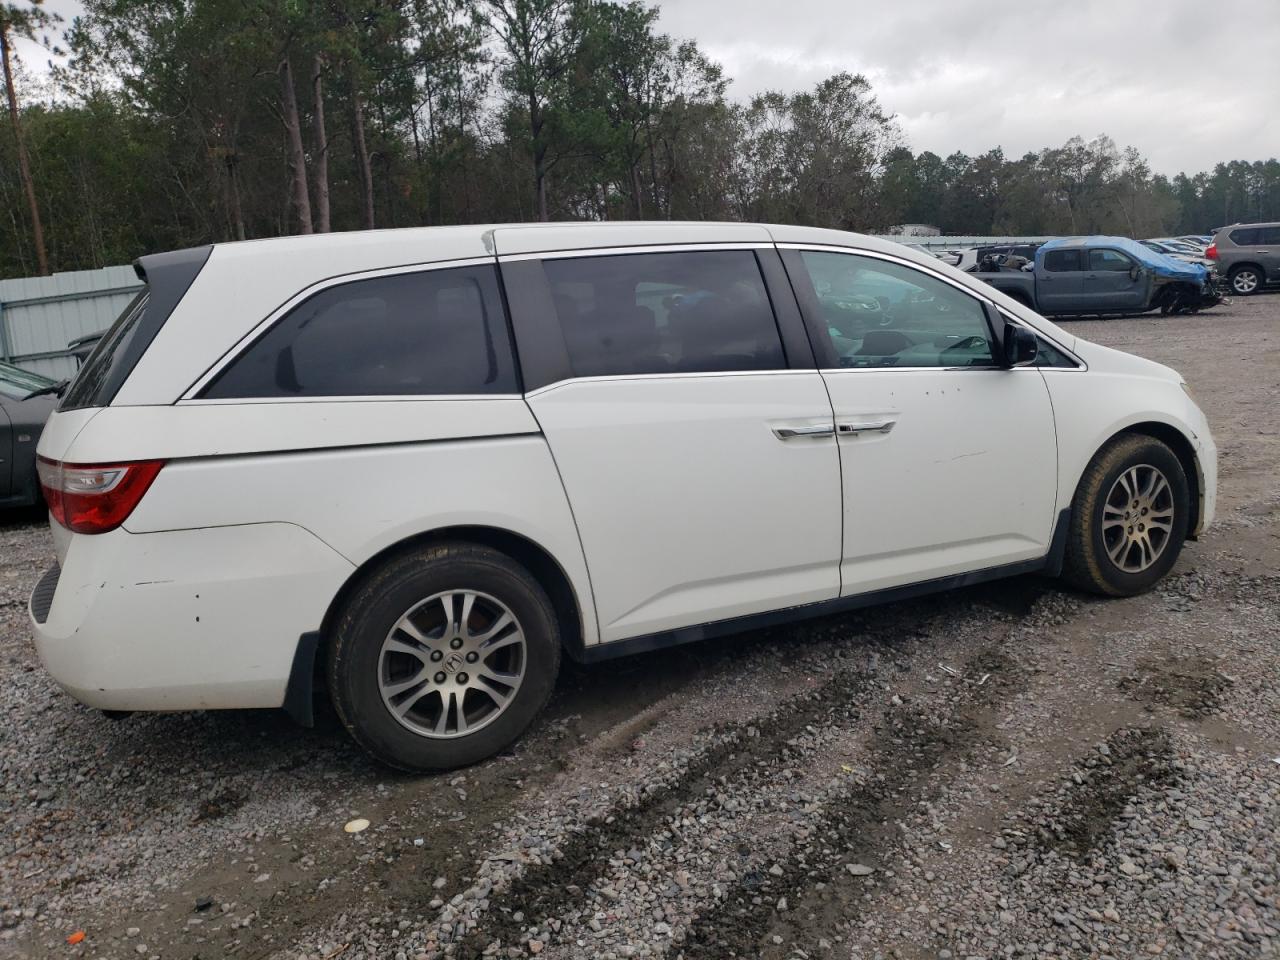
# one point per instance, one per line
(22, 417)
(1248, 255)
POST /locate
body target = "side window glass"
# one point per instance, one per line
(1244, 238)
(882, 314)
(411, 334)
(664, 313)
(1110, 260)
(1062, 261)
(1269, 236)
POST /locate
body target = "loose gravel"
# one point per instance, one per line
(1011, 770)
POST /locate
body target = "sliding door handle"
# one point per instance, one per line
(804, 430)
(848, 429)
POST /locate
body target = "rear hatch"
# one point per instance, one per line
(166, 278)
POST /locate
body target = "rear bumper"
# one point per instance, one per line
(183, 619)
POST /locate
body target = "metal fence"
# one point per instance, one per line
(39, 316)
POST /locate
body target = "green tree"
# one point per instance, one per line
(24, 21)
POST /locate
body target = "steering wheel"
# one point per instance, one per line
(968, 343)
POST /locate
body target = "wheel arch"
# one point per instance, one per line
(539, 561)
(1183, 448)
(1236, 267)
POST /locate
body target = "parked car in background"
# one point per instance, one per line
(1177, 251)
(1248, 255)
(1079, 276)
(26, 400)
(429, 480)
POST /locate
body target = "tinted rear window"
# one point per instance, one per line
(1244, 238)
(410, 334)
(1062, 261)
(665, 313)
(91, 385)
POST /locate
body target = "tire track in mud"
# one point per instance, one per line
(546, 891)
(858, 826)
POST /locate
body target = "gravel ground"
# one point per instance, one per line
(1007, 770)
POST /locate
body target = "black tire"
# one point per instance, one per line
(377, 604)
(1239, 274)
(1088, 564)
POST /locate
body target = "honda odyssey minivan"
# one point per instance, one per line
(414, 468)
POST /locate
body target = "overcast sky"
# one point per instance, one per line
(1187, 82)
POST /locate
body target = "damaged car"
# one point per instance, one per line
(1093, 276)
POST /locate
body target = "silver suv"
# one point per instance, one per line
(1248, 255)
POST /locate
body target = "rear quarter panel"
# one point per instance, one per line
(360, 476)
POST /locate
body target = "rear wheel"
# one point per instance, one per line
(443, 656)
(1128, 519)
(1246, 280)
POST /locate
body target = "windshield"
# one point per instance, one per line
(16, 383)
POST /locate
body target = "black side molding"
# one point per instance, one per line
(299, 694)
(1050, 564)
(1058, 545)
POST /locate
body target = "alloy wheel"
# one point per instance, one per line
(452, 664)
(1137, 518)
(1246, 281)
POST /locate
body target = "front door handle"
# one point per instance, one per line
(853, 429)
(806, 430)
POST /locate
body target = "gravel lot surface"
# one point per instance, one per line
(1008, 770)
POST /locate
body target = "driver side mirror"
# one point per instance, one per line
(1135, 272)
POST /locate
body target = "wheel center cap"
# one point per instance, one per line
(453, 663)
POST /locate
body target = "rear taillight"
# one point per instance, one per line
(94, 497)
(1212, 251)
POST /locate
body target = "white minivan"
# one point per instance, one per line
(411, 467)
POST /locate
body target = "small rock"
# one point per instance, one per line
(859, 869)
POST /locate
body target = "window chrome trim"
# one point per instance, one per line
(341, 398)
(709, 246)
(261, 328)
(683, 375)
(929, 270)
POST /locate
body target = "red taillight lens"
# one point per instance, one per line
(1212, 251)
(94, 497)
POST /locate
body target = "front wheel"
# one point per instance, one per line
(1129, 518)
(443, 656)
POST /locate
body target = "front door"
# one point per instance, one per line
(701, 467)
(1113, 282)
(949, 463)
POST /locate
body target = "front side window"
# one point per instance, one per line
(1062, 261)
(643, 313)
(883, 314)
(1109, 260)
(410, 334)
